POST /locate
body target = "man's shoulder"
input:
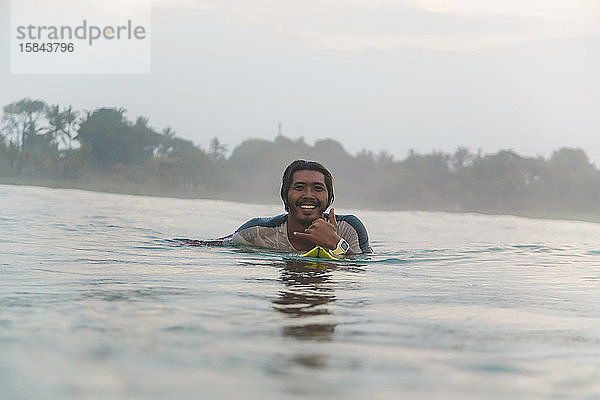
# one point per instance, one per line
(357, 225)
(267, 222)
(351, 219)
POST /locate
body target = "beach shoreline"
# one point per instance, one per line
(98, 183)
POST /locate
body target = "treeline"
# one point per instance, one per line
(55, 144)
(103, 150)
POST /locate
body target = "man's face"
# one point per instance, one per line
(307, 197)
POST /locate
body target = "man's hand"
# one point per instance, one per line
(321, 232)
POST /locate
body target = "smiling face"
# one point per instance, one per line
(307, 197)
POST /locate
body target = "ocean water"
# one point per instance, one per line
(97, 301)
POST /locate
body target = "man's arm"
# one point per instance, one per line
(194, 242)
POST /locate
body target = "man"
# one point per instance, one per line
(306, 191)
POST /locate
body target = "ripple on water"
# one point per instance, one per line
(98, 302)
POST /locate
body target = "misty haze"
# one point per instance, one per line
(102, 150)
(146, 253)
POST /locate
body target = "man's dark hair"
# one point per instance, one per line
(300, 165)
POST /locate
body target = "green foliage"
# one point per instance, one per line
(570, 178)
(36, 140)
(217, 150)
(21, 121)
(62, 124)
(258, 164)
(110, 140)
(172, 146)
(38, 127)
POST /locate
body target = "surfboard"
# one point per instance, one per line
(319, 252)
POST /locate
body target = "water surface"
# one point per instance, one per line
(98, 302)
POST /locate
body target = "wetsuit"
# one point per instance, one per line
(271, 233)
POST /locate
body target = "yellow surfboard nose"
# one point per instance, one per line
(319, 252)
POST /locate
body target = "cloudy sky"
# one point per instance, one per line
(375, 74)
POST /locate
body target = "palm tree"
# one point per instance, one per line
(61, 124)
(217, 150)
(21, 120)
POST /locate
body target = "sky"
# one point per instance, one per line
(380, 75)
